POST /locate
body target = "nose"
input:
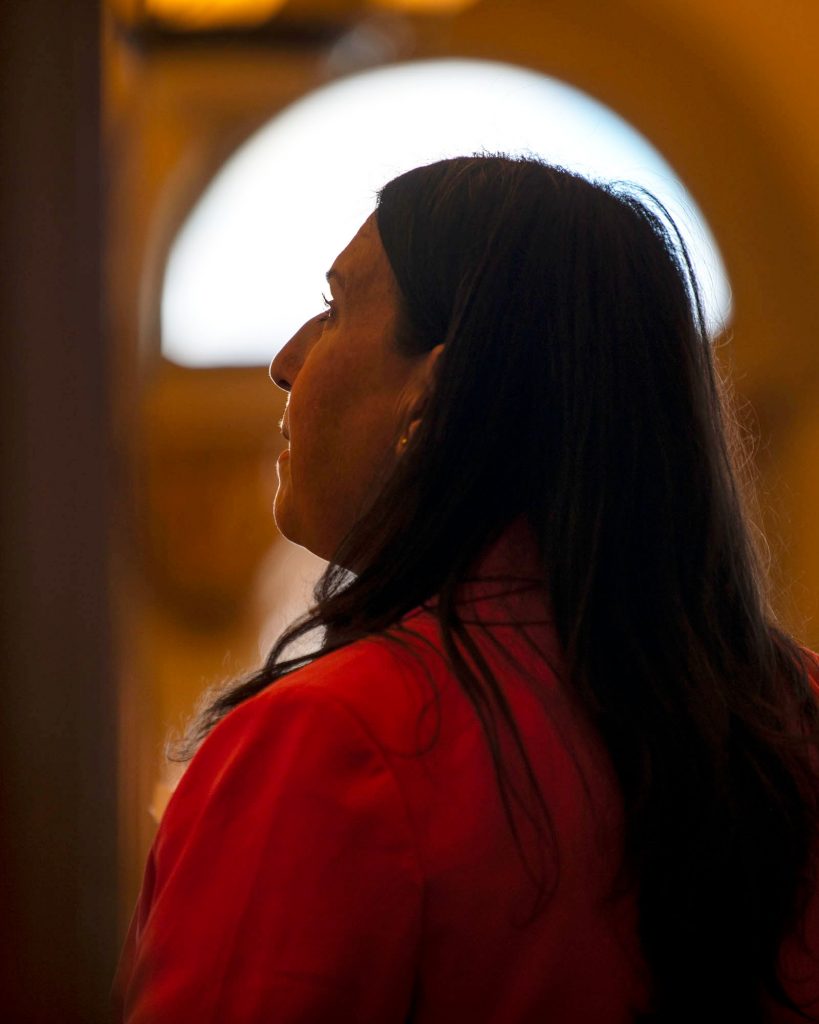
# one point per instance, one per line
(274, 373)
(285, 366)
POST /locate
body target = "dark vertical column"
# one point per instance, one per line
(57, 743)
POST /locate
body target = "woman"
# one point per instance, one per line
(551, 761)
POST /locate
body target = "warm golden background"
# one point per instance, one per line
(726, 90)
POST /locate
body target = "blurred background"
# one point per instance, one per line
(178, 175)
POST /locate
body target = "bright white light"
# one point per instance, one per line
(247, 268)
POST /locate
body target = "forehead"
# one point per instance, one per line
(362, 268)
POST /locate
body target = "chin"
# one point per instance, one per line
(282, 517)
(289, 528)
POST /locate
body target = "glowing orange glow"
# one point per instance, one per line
(195, 14)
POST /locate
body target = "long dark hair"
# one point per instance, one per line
(577, 388)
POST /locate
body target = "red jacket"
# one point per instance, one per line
(328, 857)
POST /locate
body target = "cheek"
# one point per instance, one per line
(343, 428)
(326, 408)
(334, 472)
(318, 397)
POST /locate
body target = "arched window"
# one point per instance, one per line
(247, 267)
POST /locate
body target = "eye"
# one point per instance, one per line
(330, 313)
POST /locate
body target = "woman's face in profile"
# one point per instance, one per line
(352, 398)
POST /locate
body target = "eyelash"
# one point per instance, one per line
(331, 308)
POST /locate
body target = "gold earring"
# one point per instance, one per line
(404, 441)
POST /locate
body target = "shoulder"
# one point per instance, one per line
(288, 816)
(383, 682)
(352, 697)
(320, 737)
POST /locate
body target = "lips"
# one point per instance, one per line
(283, 423)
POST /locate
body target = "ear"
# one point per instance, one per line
(417, 396)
